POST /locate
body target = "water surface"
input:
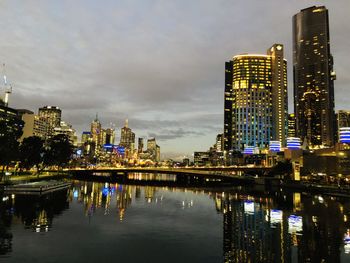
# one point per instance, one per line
(93, 222)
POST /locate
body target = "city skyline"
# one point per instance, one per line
(97, 64)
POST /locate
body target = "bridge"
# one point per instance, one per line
(191, 175)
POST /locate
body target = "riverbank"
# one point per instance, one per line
(16, 179)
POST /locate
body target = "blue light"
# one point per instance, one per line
(105, 191)
(248, 150)
(293, 143)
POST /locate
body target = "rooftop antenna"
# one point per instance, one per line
(8, 88)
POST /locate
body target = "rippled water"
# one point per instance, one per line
(96, 222)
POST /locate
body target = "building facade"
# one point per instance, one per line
(34, 125)
(52, 114)
(313, 77)
(256, 107)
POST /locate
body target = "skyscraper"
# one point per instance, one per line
(127, 137)
(52, 114)
(313, 77)
(96, 136)
(256, 108)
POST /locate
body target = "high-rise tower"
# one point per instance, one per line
(256, 108)
(313, 77)
(52, 114)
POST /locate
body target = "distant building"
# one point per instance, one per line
(108, 136)
(52, 114)
(96, 136)
(313, 77)
(127, 139)
(256, 107)
(34, 125)
(343, 126)
(153, 149)
(8, 114)
(201, 158)
(66, 129)
(140, 145)
(219, 145)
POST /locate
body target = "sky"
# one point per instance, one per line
(160, 64)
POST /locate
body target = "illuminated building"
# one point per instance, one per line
(66, 129)
(153, 149)
(256, 107)
(293, 143)
(219, 145)
(127, 138)
(291, 125)
(108, 136)
(34, 125)
(96, 136)
(201, 158)
(343, 124)
(52, 114)
(9, 114)
(313, 77)
(275, 146)
(140, 145)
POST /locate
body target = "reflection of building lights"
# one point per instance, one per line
(249, 207)
(347, 243)
(295, 224)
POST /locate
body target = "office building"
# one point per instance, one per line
(153, 149)
(67, 130)
(256, 108)
(95, 129)
(127, 139)
(108, 136)
(52, 114)
(313, 77)
(34, 125)
(140, 145)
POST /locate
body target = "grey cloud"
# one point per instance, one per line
(158, 63)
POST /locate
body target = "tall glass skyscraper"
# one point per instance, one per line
(313, 77)
(256, 108)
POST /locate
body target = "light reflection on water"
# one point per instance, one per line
(162, 224)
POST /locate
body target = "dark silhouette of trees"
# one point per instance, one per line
(31, 152)
(10, 132)
(58, 151)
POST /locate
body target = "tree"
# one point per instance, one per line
(31, 152)
(58, 151)
(10, 132)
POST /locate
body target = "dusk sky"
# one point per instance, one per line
(158, 63)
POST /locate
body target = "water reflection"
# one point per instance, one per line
(254, 226)
(312, 229)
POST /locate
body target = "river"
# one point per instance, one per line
(97, 222)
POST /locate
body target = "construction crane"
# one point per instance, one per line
(8, 88)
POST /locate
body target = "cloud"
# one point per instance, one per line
(158, 63)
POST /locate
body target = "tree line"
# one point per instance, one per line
(32, 152)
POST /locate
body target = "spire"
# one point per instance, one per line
(96, 119)
(126, 123)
